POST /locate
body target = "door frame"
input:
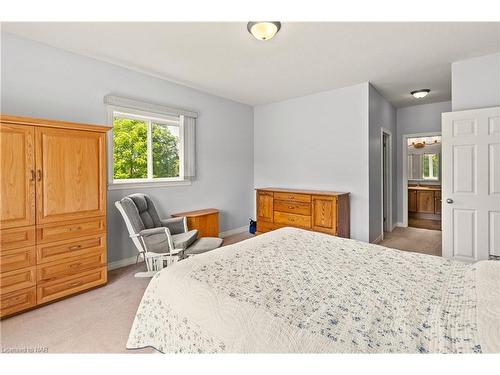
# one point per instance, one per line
(405, 172)
(388, 133)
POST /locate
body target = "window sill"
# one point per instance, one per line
(149, 184)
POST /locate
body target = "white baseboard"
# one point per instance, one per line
(398, 224)
(122, 263)
(233, 231)
(378, 239)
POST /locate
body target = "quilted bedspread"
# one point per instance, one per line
(296, 291)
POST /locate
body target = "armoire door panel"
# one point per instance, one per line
(17, 163)
(70, 174)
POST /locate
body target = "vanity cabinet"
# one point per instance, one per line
(424, 200)
(412, 200)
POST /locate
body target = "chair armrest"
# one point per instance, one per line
(176, 225)
(152, 232)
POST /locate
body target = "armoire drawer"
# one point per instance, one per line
(17, 237)
(299, 208)
(292, 219)
(294, 197)
(49, 291)
(53, 251)
(15, 259)
(73, 229)
(18, 279)
(71, 266)
(19, 300)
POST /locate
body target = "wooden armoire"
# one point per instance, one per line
(53, 210)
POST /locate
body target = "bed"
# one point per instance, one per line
(296, 291)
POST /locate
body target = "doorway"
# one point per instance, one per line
(386, 179)
(423, 177)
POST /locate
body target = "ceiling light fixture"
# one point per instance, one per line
(419, 94)
(263, 30)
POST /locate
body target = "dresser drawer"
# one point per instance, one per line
(16, 237)
(18, 279)
(15, 259)
(19, 300)
(49, 291)
(294, 197)
(50, 252)
(73, 229)
(71, 266)
(299, 208)
(292, 219)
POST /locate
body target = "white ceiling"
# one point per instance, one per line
(304, 58)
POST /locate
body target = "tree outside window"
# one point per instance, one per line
(144, 149)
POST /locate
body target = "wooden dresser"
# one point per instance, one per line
(320, 211)
(53, 210)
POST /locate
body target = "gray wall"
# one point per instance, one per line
(381, 115)
(317, 141)
(425, 118)
(475, 82)
(41, 81)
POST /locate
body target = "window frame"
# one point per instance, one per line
(149, 118)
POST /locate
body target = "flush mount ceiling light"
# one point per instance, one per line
(263, 30)
(419, 94)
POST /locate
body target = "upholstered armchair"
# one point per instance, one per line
(160, 240)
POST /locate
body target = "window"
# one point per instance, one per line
(430, 166)
(147, 148)
(424, 158)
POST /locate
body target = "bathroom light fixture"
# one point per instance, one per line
(419, 94)
(263, 30)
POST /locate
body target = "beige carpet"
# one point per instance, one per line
(99, 321)
(423, 241)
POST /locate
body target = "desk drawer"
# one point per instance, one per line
(49, 291)
(292, 219)
(71, 266)
(68, 230)
(15, 259)
(19, 300)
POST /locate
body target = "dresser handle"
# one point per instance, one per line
(75, 228)
(39, 172)
(76, 247)
(33, 175)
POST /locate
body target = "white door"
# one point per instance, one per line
(471, 184)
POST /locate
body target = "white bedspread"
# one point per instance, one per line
(292, 290)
